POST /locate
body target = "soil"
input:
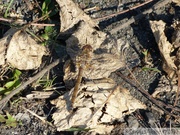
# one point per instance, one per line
(140, 38)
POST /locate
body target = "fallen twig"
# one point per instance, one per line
(114, 30)
(139, 16)
(160, 104)
(18, 21)
(43, 119)
(90, 9)
(25, 84)
(21, 22)
(122, 12)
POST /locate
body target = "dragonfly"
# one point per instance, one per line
(84, 61)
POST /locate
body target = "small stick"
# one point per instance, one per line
(139, 16)
(148, 96)
(25, 84)
(122, 12)
(90, 9)
(21, 22)
(43, 119)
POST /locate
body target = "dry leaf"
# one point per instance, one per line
(23, 52)
(177, 2)
(71, 14)
(170, 53)
(95, 107)
(106, 58)
(99, 100)
(164, 46)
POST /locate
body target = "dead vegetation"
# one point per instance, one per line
(93, 100)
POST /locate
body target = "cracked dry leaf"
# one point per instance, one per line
(95, 107)
(23, 52)
(98, 94)
(107, 54)
(71, 14)
(170, 53)
(165, 46)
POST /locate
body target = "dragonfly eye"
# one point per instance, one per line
(87, 48)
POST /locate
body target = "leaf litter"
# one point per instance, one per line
(170, 53)
(100, 101)
(98, 95)
(20, 50)
(71, 14)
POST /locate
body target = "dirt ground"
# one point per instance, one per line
(140, 38)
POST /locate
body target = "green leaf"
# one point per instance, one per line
(15, 82)
(153, 69)
(2, 119)
(47, 2)
(45, 36)
(7, 10)
(2, 89)
(48, 29)
(10, 84)
(145, 52)
(11, 121)
(45, 6)
(17, 73)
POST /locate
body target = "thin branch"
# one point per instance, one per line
(43, 24)
(25, 84)
(160, 104)
(21, 22)
(139, 16)
(122, 12)
(91, 9)
(43, 119)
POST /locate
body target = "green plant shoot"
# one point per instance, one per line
(13, 82)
